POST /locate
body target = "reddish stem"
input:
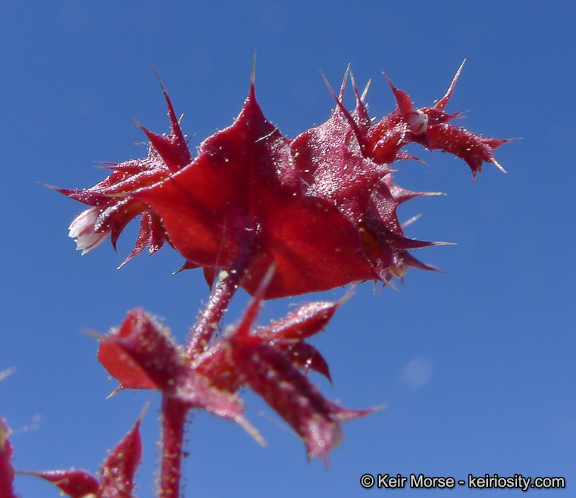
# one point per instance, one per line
(227, 284)
(173, 420)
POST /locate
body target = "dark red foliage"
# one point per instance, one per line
(116, 474)
(272, 361)
(73, 482)
(120, 466)
(143, 355)
(278, 217)
(112, 205)
(321, 208)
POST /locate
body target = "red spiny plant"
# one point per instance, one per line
(278, 217)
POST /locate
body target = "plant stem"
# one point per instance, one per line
(173, 419)
(228, 283)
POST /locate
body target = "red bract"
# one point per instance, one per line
(429, 127)
(112, 205)
(321, 208)
(141, 354)
(116, 474)
(272, 361)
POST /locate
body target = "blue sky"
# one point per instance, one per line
(476, 365)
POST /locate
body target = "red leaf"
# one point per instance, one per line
(320, 207)
(141, 354)
(115, 207)
(305, 357)
(75, 483)
(303, 322)
(294, 397)
(472, 148)
(239, 192)
(269, 360)
(119, 467)
(117, 473)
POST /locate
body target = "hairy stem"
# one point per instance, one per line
(173, 420)
(207, 323)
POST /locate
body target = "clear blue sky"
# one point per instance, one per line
(477, 366)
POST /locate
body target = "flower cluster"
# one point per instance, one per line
(278, 217)
(321, 207)
(273, 361)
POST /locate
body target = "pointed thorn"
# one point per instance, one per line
(349, 294)
(441, 104)
(253, 73)
(403, 102)
(330, 89)
(96, 335)
(344, 81)
(387, 79)
(160, 80)
(106, 165)
(365, 91)
(390, 284)
(411, 220)
(139, 125)
(379, 408)
(250, 429)
(390, 84)
(171, 112)
(52, 187)
(116, 391)
(144, 410)
(346, 113)
(353, 81)
(498, 165)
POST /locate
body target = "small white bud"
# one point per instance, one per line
(82, 229)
